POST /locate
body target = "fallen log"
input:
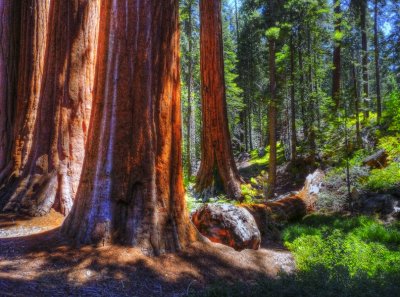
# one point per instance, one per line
(291, 207)
(239, 226)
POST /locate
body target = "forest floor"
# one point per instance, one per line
(36, 261)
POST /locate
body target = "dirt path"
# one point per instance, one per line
(43, 264)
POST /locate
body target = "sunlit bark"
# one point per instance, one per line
(217, 160)
(131, 190)
(56, 76)
(9, 41)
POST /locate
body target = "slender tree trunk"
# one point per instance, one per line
(250, 125)
(190, 118)
(364, 46)
(260, 117)
(311, 103)
(302, 93)
(293, 136)
(217, 156)
(356, 105)
(337, 58)
(272, 121)
(9, 40)
(56, 76)
(131, 190)
(377, 68)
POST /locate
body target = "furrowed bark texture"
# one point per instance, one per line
(9, 43)
(131, 189)
(216, 155)
(56, 77)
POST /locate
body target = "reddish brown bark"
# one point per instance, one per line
(9, 41)
(217, 160)
(56, 76)
(131, 190)
(287, 209)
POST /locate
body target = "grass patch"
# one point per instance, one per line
(264, 160)
(359, 246)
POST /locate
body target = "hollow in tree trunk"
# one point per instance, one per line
(217, 162)
(131, 189)
(56, 76)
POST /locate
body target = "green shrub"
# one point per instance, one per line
(393, 110)
(384, 179)
(391, 144)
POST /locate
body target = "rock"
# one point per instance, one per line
(261, 152)
(243, 156)
(377, 160)
(227, 224)
(355, 194)
(381, 203)
(312, 186)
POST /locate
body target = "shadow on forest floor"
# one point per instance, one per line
(45, 265)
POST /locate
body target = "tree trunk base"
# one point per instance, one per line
(35, 195)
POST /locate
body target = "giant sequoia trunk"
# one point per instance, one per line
(131, 189)
(217, 160)
(9, 41)
(56, 76)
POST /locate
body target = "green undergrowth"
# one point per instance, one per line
(335, 256)
(264, 160)
(384, 179)
(355, 245)
(362, 177)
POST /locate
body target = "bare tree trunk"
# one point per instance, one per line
(9, 40)
(131, 190)
(337, 58)
(56, 76)
(190, 117)
(216, 147)
(364, 46)
(272, 121)
(356, 105)
(302, 93)
(311, 103)
(377, 70)
(293, 136)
